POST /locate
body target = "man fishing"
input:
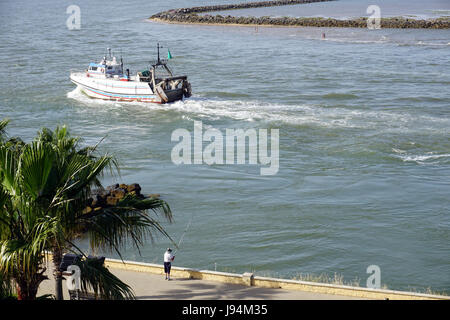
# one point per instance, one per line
(168, 258)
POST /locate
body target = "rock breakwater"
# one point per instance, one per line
(190, 15)
(112, 195)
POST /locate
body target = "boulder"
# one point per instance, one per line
(112, 201)
(87, 210)
(134, 187)
(97, 200)
(112, 187)
(119, 193)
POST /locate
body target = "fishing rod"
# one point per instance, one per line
(184, 233)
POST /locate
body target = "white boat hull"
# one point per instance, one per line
(116, 90)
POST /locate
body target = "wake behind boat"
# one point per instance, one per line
(107, 80)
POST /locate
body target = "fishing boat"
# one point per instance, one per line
(107, 80)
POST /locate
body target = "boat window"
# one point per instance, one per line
(109, 68)
(94, 68)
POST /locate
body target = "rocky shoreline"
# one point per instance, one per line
(190, 15)
(112, 195)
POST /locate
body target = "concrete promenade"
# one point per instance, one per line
(147, 281)
(153, 286)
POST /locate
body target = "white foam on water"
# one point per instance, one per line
(394, 38)
(304, 114)
(78, 95)
(424, 43)
(348, 40)
(386, 40)
(427, 157)
(398, 151)
(440, 11)
(424, 158)
(300, 114)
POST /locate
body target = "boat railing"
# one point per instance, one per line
(76, 72)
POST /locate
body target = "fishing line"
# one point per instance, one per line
(184, 233)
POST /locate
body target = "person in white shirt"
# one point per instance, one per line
(168, 258)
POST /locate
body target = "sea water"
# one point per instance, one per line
(363, 118)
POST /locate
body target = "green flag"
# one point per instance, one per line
(169, 56)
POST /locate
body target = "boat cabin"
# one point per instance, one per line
(106, 68)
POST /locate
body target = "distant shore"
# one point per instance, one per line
(190, 15)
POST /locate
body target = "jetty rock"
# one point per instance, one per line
(111, 196)
(190, 15)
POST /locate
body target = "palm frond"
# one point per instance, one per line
(8, 169)
(3, 124)
(35, 166)
(96, 277)
(154, 204)
(24, 254)
(15, 144)
(7, 289)
(113, 227)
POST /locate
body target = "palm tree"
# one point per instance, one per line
(23, 233)
(57, 176)
(20, 258)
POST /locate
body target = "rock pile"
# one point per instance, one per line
(246, 5)
(189, 15)
(109, 197)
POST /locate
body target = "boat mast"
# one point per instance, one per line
(159, 61)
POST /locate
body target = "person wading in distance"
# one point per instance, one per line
(168, 258)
